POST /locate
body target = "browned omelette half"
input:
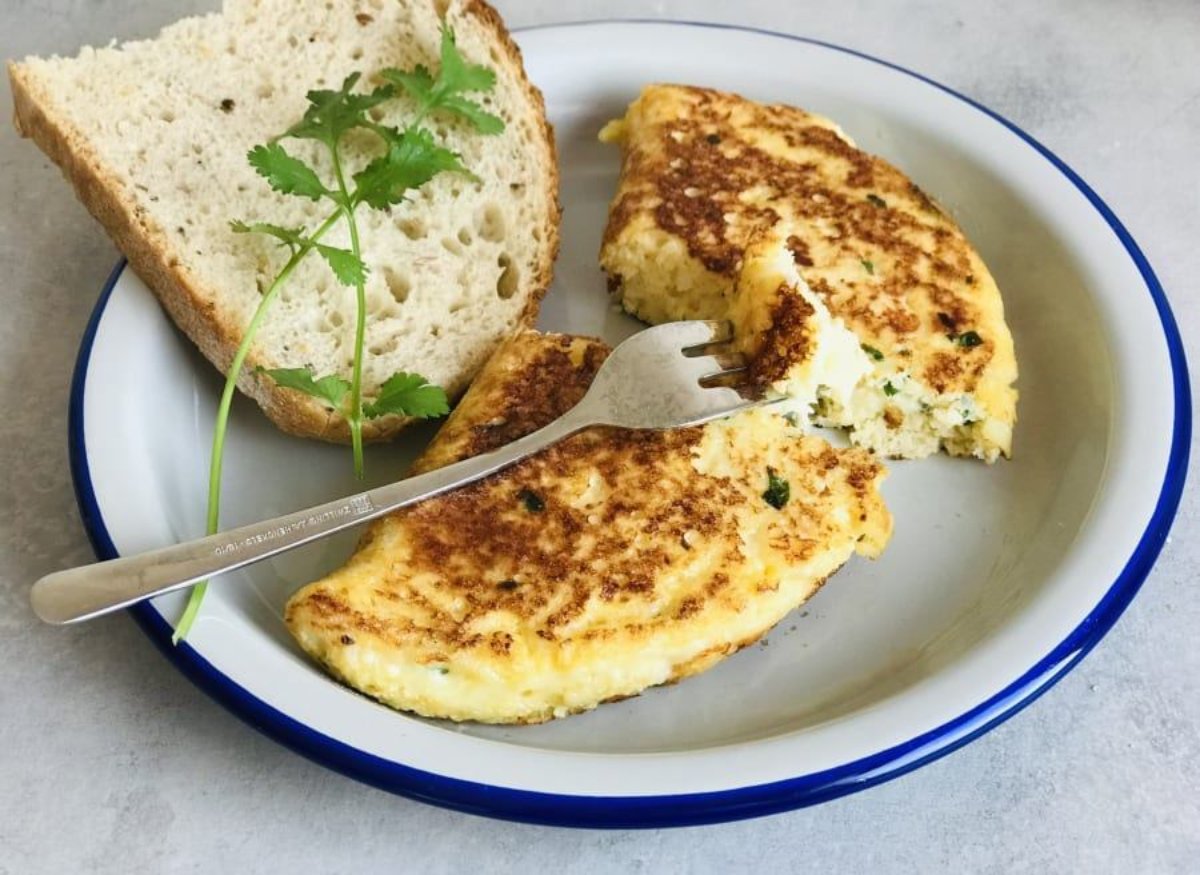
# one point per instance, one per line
(706, 175)
(611, 562)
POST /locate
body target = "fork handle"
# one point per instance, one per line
(89, 591)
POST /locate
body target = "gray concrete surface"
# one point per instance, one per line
(111, 761)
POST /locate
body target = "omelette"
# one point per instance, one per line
(706, 175)
(611, 562)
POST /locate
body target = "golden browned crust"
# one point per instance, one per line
(146, 247)
(787, 340)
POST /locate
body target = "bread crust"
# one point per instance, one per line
(145, 245)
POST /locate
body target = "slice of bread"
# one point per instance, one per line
(154, 136)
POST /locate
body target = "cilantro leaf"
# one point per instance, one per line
(411, 161)
(331, 114)
(889, 389)
(285, 173)
(455, 78)
(408, 395)
(533, 502)
(967, 339)
(331, 389)
(346, 266)
(778, 492)
(290, 237)
(483, 121)
(869, 266)
(456, 74)
(418, 82)
(872, 352)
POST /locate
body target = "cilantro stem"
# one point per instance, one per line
(410, 161)
(360, 323)
(219, 428)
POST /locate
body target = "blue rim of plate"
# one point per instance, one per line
(696, 808)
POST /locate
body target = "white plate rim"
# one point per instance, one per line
(685, 809)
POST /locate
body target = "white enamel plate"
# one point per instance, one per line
(998, 579)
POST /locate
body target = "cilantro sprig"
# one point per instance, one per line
(455, 79)
(408, 158)
(411, 158)
(778, 491)
(286, 174)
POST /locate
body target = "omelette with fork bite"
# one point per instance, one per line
(714, 188)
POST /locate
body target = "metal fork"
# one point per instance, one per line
(668, 376)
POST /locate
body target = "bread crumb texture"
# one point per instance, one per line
(154, 134)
